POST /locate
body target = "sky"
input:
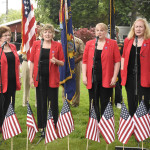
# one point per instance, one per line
(12, 4)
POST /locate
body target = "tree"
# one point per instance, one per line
(12, 15)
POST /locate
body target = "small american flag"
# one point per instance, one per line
(51, 134)
(126, 126)
(28, 26)
(106, 125)
(11, 126)
(65, 123)
(92, 131)
(141, 122)
(31, 124)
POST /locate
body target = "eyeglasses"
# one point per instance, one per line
(6, 35)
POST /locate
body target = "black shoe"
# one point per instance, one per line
(43, 134)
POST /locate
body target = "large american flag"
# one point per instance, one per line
(92, 131)
(51, 134)
(31, 124)
(28, 27)
(106, 125)
(11, 126)
(65, 123)
(141, 122)
(126, 126)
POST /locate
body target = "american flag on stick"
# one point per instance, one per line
(28, 27)
(126, 126)
(31, 124)
(11, 126)
(51, 134)
(65, 123)
(92, 131)
(142, 123)
(106, 125)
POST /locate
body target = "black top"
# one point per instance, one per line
(98, 66)
(44, 62)
(11, 65)
(131, 63)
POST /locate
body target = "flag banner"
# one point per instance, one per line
(51, 134)
(92, 132)
(11, 126)
(31, 124)
(65, 123)
(67, 72)
(28, 27)
(126, 126)
(141, 123)
(111, 20)
(106, 125)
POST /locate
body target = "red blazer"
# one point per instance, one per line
(4, 69)
(144, 61)
(110, 55)
(54, 75)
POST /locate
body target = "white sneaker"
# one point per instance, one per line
(118, 105)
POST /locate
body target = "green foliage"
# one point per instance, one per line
(11, 16)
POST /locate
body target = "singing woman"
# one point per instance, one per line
(9, 73)
(141, 31)
(100, 68)
(46, 57)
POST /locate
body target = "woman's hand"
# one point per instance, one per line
(113, 81)
(53, 60)
(31, 82)
(84, 80)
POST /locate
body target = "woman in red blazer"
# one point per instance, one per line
(9, 73)
(140, 29)
(46, 57)
(100, 68)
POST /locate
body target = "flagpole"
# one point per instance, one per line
(142, 145)
(12, 137)
(123, 146)
(87, 144)
(68, 142)
(87, 139)
(45, 146)
(27, 140)
(107, 147)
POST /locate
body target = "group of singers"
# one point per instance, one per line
(100, 67)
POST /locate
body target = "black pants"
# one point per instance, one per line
(5, 99)
(142, 91)
(46, 95)
(118, 90)
(101, 97)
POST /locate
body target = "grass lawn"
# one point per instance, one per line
(76, 138)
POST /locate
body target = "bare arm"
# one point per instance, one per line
(116, 70)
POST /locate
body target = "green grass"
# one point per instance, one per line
(76, 138)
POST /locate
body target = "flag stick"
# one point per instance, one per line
(123, 146)
(87, 144)
(68, 142)
(142, 145)
(45, 146)
(12, 143)
(12, 137)
(27, 140)
(107, 147)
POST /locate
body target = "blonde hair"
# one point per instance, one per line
(48, 27)
(147, 29)
(102, 25)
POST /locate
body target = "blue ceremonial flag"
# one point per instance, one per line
(67, 72)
